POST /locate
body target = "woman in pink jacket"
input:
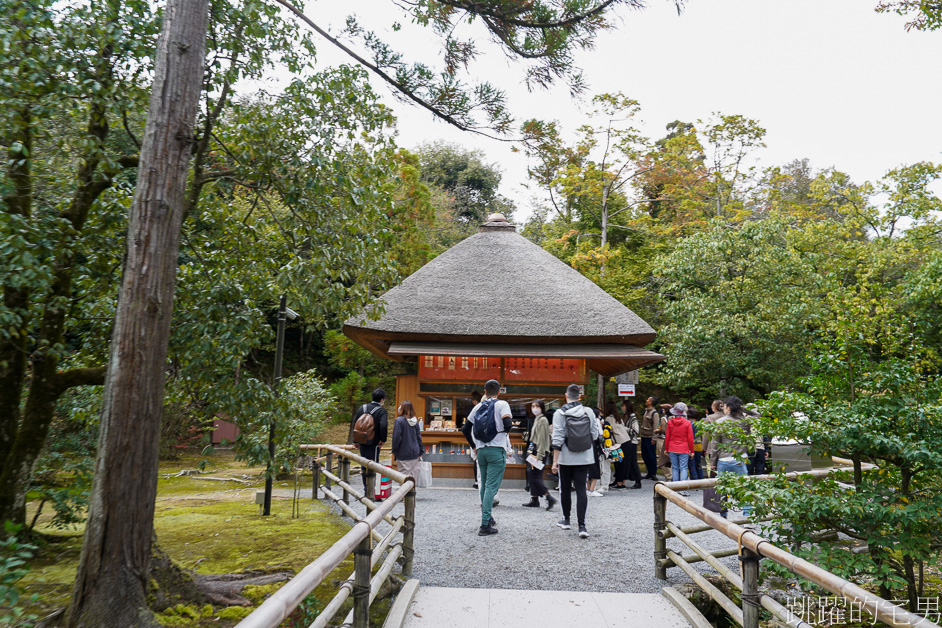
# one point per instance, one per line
(678, 442)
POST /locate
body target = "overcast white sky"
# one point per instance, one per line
(830, 80)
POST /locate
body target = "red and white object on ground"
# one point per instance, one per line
(383, 487)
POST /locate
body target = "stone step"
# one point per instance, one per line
(439, 607)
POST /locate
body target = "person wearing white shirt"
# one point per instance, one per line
(491, 417)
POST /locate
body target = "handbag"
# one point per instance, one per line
(423, 479)
(712, 501)
(663, 458)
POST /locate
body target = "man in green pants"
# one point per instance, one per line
(486, 431)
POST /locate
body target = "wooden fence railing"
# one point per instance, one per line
(751, 549)
(361, 584)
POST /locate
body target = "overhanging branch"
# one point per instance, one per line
(405, 91)
(90, 376)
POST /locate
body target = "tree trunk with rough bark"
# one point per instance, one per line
(111, 583)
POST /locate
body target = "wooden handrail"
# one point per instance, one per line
(282, 603)
(374, 466)
(692, 485)
(882, 609)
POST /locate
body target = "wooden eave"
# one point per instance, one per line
(379, 342)
(605, 359)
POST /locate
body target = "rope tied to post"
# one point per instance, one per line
(752, 599)
(361, 590)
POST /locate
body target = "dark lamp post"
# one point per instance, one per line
(284, 312)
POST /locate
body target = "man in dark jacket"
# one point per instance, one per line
(370, 450)
(649, 426)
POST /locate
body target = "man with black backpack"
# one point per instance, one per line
(486, 430)
(575, 430)
(370, 428)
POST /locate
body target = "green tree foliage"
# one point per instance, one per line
(463, 189)
(15, 556)
(926, 14)
(290, 192)
(587, 181)
(412, 217)
(299, 413)
(63, 474)
(744, 301)
(736, 269)
(740, 302)
(699, 172)
(360, 372)
(871, 406)
(71, 74)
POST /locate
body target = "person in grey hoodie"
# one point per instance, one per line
(573, 466)
(407, 440)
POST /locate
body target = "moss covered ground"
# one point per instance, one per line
(211, 527)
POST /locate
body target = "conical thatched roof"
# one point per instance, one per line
(498, 287)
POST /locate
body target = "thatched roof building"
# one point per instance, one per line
(497, 294)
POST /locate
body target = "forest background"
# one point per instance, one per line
(742, 271)
(748, 275)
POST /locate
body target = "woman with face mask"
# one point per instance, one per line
(539, 448)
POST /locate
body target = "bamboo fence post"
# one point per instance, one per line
(408, 534)
(330, 467)
(345, 476)
(370, 484)
(660, 542)
(316, 481)
(750, 588)
(363, 568)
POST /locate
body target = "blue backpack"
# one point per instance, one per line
(484, 426)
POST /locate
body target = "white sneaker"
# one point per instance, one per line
(595, 494)
(684, 493)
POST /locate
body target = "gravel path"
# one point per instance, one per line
(531, 552)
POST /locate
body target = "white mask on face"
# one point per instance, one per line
(536, 410)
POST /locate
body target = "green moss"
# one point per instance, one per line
(234, 613)
(56, 563)
(212, 527)
(172, 621)
(193, 487)
(187, 611)
(256, 593)
(225, 537)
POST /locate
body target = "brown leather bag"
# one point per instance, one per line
(364, 430)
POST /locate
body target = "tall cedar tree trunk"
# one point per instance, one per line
(111, 583)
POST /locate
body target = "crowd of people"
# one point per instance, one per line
(589, 450)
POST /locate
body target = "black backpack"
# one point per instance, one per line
(484, 426)
(578, 432)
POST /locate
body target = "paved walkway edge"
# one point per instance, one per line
(687, 609)
(397, 614)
